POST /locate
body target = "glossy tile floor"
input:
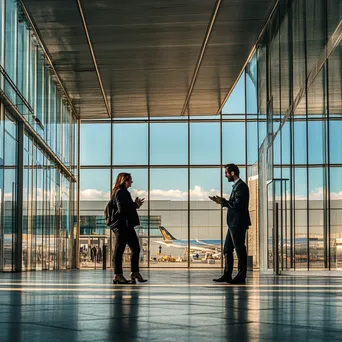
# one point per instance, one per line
(175, 305)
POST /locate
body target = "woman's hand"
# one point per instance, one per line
(139, 202)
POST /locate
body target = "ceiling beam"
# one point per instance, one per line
(94, 58)
(201, 55)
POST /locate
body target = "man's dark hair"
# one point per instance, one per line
(233, 168)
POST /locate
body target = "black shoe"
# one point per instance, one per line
(119, 279)
(222, 279)
(237, 281)
(137, 276)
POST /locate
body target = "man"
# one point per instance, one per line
(238, 221)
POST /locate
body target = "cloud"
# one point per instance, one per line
(7, 196)
(197, 194)
(94, 195)
(336, 195)
(317, 194)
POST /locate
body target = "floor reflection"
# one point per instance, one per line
(175, 305)
(125, 313)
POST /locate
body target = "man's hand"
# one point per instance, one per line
(139, 201)
(217, 199)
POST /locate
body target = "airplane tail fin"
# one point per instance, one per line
(166, 235)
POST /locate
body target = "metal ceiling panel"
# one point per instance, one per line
(146, 52)
(60, 27)
(236, 30)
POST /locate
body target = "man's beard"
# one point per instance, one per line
(230, 179)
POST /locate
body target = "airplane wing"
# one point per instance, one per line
(207, 244)
(168, 244)
(175, 244)
(203, 249)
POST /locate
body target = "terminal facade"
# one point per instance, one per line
(279, 119)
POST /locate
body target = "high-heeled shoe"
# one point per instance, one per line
(119, 279)
(137, 276)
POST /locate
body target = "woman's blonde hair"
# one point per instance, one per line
(120, 181)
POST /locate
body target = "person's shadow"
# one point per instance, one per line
(123, 324)
(237, 315)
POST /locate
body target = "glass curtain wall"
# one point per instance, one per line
(28, 83)
(47, 218)
(175, 163)
(33, 100)
(299, 93)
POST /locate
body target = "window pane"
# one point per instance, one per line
(300, 214)
(336, 187)
(251, 86)
(11, 45)
(252, 141)
(95, 185)
(316, 218)
(316, 143)
(10, 38)
(164, 251)
(205, 143)
(169, 143)
(236, 101)
(204, 183)
(95, 151)
(335, 141)
(169, 188)
(335, 239)
(299, 142)
(93, 233)
(262, 90)
(52, 126)
(286, 143)
(23, 41)
(10, 174)
(277, 148)
(205, 238)
(233, 142)
(130, 144)
(33, 73)
(40, 87)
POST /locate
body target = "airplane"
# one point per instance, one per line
(212, 247)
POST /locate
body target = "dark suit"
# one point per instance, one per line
(238, 220)
(126, 218)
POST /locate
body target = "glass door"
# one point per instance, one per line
(10, 185)
(277, 225)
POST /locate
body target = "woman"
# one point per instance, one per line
(126, 218)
